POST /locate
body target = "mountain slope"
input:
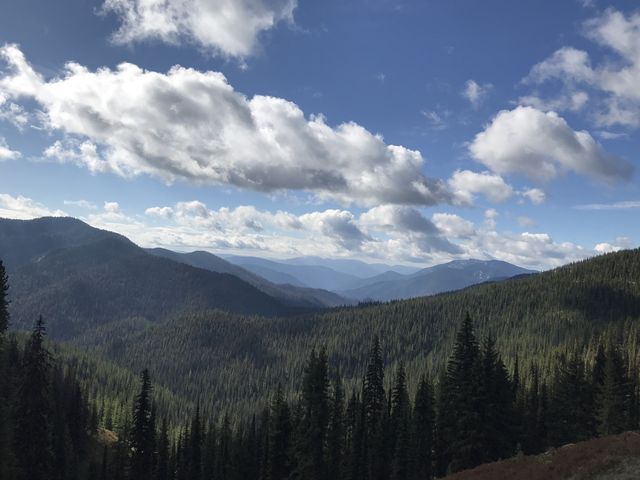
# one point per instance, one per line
(535, 317)
(99, 277)
(314, 276)
(349, 266)
(429, 281)
(291, 294)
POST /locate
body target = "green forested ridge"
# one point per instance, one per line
(535, 317)
(84, 277)
(295, 295)
(378, 421)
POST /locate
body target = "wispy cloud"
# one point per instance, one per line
(610, 206)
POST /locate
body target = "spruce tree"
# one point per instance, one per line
(195, 460)
(164, 452)
(336, 431)
(143, 431)
(32, 436)
(280, 438)
(4, 301)
(423, 431)
(6, 395)
(313, 423)
(571, 418)
(499, 421)
(612, 406)
(400, 426)
(460, 428)
(374, 403)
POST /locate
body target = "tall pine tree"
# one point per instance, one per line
(32, 437)
(143, 432)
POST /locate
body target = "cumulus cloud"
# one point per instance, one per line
(465, 184)
(23, 208)
(476, 93)
(410, 224)
(543, 146)
(6, 153)
(618, 244)
(616, 78)
(339, 225)
(453, 225)
(227, 27)
(193, 126)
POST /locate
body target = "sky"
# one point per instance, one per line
(408, 132)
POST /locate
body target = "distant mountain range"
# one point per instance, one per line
(82, 276)
(389, 283)
(447, 277)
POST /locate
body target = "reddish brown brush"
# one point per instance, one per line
(613, 457)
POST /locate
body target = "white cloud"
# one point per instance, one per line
(543, 146)
(191, 125)
(620, 243)
(616, 78)
(535, 195)
(387, 233)
(84, 204)
(466, 183)
(566, 63)
(476, 93)
(572, 101)
(13, 113)
(23, 208)
(161, 212)
(437, 119)
(339, 225)
(453, 225)
(606, 135)
(6, 153)
(626, 205)
(228, 27)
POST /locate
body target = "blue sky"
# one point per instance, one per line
(398, 131)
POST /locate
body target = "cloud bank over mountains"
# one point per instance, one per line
(192, 126)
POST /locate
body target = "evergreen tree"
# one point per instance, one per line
(6, 395)
(280, 438)
(460, 428)
(210, 452)
(612, 404)
(195, 447)
(4, 301)
(354, 463)
(336, 431)
(498, 417)
(143, 432)
(374, 403)
(312, 428)
(400, 426)
(32, 436)
(423, 431)
(571, 418)
(163, 449)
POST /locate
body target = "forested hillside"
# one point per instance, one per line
(84, 277)
(535, 318)
(291, 294)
